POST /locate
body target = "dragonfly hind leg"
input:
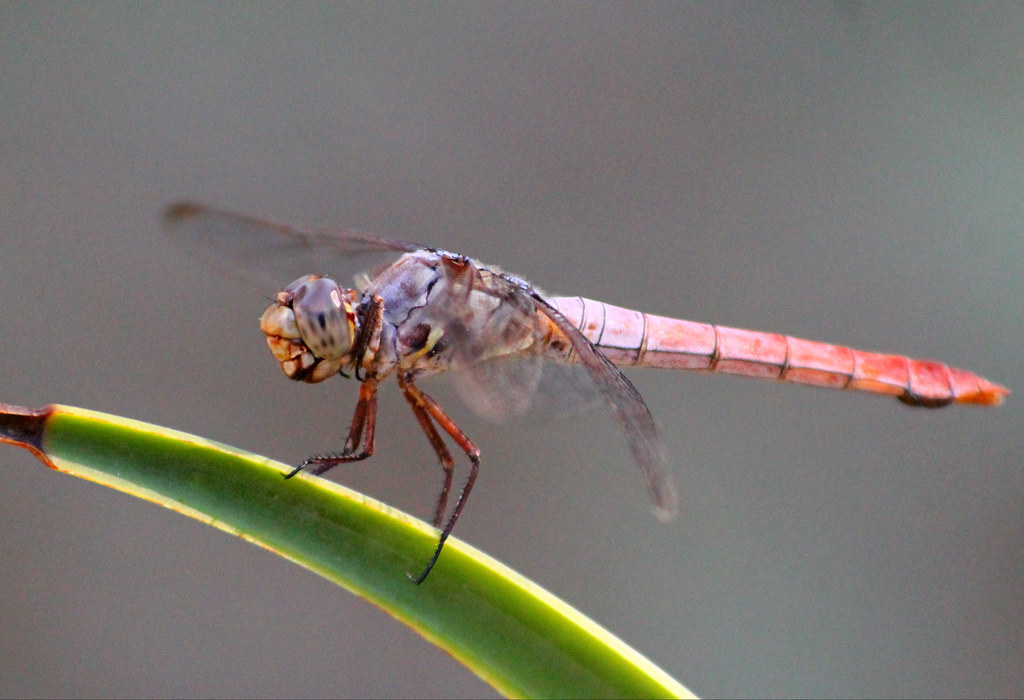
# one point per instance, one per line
(359, 444)
(428, 412)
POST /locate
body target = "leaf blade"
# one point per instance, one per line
(510, 632)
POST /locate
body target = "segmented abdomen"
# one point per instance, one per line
(632, 338)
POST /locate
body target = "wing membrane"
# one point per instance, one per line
(267, 250)
(510, 381)
(630, 412)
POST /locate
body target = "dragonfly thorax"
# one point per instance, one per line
(311, 328)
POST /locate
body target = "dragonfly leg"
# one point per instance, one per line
(447, 463)
(359, 444)
(428, 412)
(368, 340)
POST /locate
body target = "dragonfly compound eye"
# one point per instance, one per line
(310, 329)
(325, 318)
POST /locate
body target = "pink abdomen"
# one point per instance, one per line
(632, 338)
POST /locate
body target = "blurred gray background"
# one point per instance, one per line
(844, 172)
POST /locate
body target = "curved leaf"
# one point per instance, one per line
(512, 633)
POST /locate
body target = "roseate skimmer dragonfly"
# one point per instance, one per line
(431, 311)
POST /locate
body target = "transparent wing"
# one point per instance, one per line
(268, 251)
(504, 385)
(501, 388)
(630, 412)
(516, 385)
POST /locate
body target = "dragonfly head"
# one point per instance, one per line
(311, 328)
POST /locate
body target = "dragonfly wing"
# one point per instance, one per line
(630, 411)
(500, 388)
(489, 326)
(490, 322)
(267, 250)
(515, 385)
(487, 352)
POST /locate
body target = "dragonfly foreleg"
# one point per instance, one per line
(429, 412)
(359, 444)
(368, 340)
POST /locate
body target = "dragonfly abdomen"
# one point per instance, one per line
(632, 338)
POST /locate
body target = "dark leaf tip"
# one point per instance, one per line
(23, 426)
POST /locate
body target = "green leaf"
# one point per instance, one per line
(509, 631)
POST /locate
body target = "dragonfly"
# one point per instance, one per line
(507, 343)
